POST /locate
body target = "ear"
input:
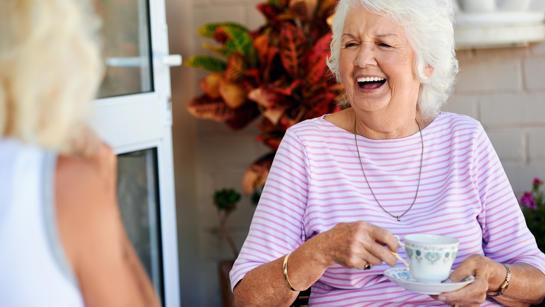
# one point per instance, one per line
(428, 70)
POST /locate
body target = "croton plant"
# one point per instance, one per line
(276, 74)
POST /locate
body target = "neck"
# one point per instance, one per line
(374, 126)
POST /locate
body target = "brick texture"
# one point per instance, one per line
(536, 145)
(534, 73)
(538, 49)
(463, 104)
(490, 71)
(513, 110)
(510, 144)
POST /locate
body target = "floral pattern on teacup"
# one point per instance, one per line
(431, 256)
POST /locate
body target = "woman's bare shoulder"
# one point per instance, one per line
(93, 176)
(85, 200)
(92, 233)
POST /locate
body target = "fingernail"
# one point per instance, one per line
(442, 298)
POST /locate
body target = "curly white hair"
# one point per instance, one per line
(430, 31)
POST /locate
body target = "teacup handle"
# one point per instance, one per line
(399, 257)
(399, 241)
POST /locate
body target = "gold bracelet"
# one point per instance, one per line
(285, 269)
(504, 285)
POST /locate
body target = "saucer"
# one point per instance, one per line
(403, 278)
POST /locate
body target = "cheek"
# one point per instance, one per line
(345, 61)
(399, 68)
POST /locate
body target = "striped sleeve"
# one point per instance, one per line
(277, 224)
(506, 238)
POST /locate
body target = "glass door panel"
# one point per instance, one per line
(139, 202)
(133, 115)
(127, 47)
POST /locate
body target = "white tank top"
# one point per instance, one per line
(34, 270)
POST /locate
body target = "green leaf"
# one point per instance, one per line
(221, 51)
(226, 199)
(241, 42)
(209, 29)
(273, 2)
(207, 63)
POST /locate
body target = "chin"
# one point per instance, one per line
(370, 104)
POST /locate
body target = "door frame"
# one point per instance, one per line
(143, 121)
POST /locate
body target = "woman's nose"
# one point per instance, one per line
(366, 56)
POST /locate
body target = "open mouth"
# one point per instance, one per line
(370, 83)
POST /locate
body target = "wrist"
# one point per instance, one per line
(501, 281)
(320, 251)
(496, 277)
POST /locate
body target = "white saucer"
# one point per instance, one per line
(403, 278)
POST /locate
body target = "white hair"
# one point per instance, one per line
(430, 31)
(50, 68)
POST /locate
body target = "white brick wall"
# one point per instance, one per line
(503, 88)
(509, 143)
(536, 145)
(533, 68)
(486, 71)
(512, 109)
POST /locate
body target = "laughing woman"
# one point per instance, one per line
(343, 185)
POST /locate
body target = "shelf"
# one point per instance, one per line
(494, 37)
(498, 29)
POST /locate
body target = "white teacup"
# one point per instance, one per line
(430, 256)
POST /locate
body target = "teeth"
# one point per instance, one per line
(370, 79)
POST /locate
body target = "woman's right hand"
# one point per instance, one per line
(358, 245)
(353, 245)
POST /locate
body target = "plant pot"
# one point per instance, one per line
(481, 6)
(227, 298)
(513, 5)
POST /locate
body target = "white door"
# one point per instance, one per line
(133, 115)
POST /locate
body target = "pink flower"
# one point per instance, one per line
(528, 200)
(537, 182)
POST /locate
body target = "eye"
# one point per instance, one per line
(384, 45)
(348, 45)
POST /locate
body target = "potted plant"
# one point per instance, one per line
(226, 201)
(276, 74)
(533, 207)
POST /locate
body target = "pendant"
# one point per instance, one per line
(398, 218)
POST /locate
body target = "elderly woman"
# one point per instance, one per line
(343, 185)
(62, 240)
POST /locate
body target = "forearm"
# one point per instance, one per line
(266, 286)
(527, 285)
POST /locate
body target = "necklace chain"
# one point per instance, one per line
(397, 217)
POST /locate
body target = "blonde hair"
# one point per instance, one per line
(50, 68)
(430, 30)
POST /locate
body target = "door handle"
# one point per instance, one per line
(172, 60)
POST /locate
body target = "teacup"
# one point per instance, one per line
(430, 256)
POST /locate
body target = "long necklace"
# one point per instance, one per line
(397, 217)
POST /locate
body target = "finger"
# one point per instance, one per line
(473, 293)
(366, 266)
(461, 274)
(384, 237)
(382, 253)
(465, 269)
(371, 259)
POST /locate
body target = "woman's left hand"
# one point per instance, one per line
(474, 294)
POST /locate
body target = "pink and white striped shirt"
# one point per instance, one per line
(316, 182)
